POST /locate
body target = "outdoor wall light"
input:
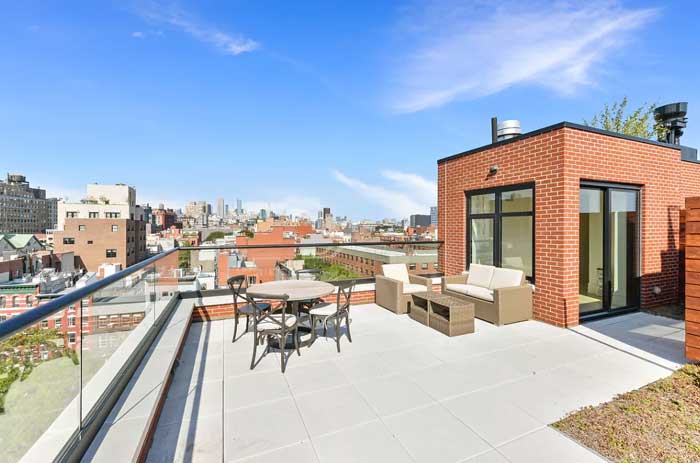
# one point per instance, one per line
(656, 290)
(493, 170)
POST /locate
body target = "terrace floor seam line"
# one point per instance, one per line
(599, 341)
(301, 417)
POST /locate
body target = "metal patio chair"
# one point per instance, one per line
(235, 283)
(276, 325)
(329, 312)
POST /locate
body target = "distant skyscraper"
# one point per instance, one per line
(420, 220)
(239, 207)
(433, 216)
(220, 207)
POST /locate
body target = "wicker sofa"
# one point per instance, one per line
(500, 295)
(393, 290)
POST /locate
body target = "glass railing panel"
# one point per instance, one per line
(39, 388)
(166, 281)
(115, 320)
(211, 267)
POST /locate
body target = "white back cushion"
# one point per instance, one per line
(396, 272)
(506, 278)
(480, 275)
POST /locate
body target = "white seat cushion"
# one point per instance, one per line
(324, 309)
(396, 272)
(267, 324)
(457, 288)
(479, 292)
(410, 288)
(480, 275)
(506, 278)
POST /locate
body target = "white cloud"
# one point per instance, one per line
(171, 15)
(138, 34)
(466, 51)
(409, 194)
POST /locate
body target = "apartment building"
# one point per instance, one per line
(199, 212)
(102, 202)
(102, 241)
(24, 209)
(419, 220)
(164, 218)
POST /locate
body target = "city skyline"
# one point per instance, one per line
(71, 96)
(230, 205)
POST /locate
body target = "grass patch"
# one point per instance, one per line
(329, 272)
(657, 423)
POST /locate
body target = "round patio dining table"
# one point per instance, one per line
(297, 291)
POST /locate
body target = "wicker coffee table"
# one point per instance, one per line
(446, 314)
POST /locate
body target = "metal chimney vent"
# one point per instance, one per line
(672, 117)
(508, 129)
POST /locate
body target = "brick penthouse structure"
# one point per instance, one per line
(591, 216)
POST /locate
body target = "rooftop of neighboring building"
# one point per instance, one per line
(18, 240)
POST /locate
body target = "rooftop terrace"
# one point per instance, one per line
(140, 366)
(401, 392)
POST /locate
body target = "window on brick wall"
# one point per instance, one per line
(501, 228)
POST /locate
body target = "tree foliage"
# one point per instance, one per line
(329, 272)
(638, 123)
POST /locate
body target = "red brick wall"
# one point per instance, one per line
(557, 161)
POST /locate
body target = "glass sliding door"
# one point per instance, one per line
(624, 248)
(608, 248)
(591, 237)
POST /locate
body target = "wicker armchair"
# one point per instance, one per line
(393, 290)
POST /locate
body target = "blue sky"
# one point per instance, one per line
(311, 104)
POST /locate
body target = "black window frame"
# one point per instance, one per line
(110, 251)
(496, 216)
